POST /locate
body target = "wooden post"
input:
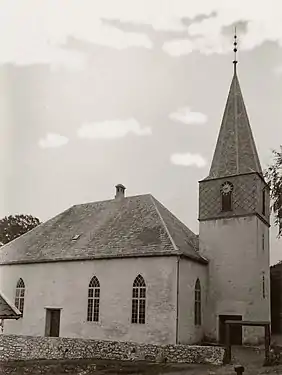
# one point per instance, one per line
(267, 342)
(227, 343)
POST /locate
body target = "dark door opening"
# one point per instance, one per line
(52, 327)
(235, 331)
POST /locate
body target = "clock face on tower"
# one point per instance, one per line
(226, 188)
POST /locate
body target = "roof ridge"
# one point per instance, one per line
(163, 223)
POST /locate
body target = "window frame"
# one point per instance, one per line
(93, 300)
(197, 303)
(139, 294)
(20, 296)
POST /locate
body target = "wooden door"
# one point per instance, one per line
(52, 328)
(235, 331)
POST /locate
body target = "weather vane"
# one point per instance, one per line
(235, 50)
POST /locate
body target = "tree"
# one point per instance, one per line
(273, 177)
(14, 226)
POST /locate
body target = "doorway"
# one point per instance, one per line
(52, 325)
(235, 331)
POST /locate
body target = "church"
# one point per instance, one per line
(127, 269)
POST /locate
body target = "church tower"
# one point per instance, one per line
(234, 227)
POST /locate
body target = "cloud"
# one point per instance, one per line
(278, 70)
(112, 129)
(257, 23)
(186, 116)
(53, 140)
(188, 159)
(178, 47)
(37, 31)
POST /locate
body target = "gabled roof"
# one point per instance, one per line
(7, 309)
(235, 151)
(134, 226)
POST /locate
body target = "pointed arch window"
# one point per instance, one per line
(93, 307)
(198, 304)
(138, 300)
(226, 196)
(20, 292)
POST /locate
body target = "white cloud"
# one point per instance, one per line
(278, 70)
(178, 47)
(188, 159)
(112, 129)
(188, 117)
(53, 140)
(36, 31)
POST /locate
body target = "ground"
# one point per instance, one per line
(250, 358)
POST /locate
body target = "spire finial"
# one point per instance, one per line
(235, 50)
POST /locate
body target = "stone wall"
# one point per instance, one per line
(13, 347)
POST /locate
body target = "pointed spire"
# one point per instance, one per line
(235, 151)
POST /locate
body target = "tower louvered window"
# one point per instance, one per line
(138, 300)
(93, 307)
(197, 304)
(20, 292)
(263, 202)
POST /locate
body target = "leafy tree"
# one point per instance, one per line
(14, 226)
(274, 178)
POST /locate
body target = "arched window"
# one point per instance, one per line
(226, 196)
(197, 306)
(19, 300)
(138, 301)
(93, 300)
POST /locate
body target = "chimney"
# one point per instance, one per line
(120, 189)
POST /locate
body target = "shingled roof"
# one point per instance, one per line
(235, 151)
(7, 309)
(133, 226)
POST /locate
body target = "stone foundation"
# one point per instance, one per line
(24, 348)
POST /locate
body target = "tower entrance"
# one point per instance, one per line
(235, 331)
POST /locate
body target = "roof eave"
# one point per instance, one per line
(103, 257)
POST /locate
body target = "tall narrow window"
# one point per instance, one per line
(20, 291)
(263, 286)
(197, 307)
(263, 202)
(262, 242)
(138, 301)
(226, 196)
(93, 300)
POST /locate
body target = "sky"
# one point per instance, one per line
(95, 93)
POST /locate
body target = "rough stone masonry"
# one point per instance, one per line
(24, 348)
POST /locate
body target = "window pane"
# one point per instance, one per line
(134, 311)
(90, 292)
(97, 292)
(22, 292)
(142, 311)
(135, 293)
(21, 305)
(142, 292)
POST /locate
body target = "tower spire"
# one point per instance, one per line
(235, 50)
(235, 151)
